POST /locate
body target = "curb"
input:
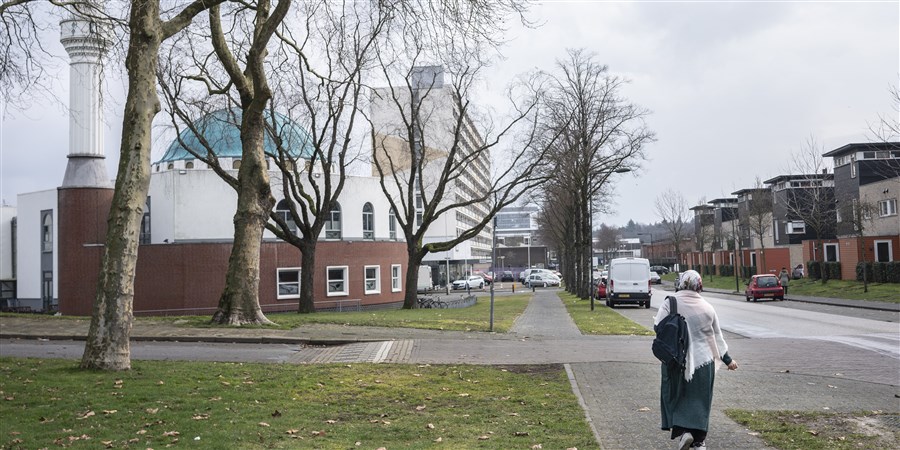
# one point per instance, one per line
(577, 391)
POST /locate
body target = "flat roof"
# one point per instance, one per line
(852, 148)
(810, 176)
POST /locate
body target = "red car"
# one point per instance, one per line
(764, 286)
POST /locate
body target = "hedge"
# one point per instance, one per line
(726, 270)
(828, 270)
(879, 272)
(748, 271)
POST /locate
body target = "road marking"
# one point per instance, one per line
(382, 352)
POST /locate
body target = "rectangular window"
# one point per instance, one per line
(420, 209)
(373, 279)
(337, 280)
(392, 225)
(796, 227)
(289, 283)
(395, 277)
(832, 253)
(888, 207)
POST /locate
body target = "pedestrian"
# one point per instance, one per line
(784, 278)
(686, 394)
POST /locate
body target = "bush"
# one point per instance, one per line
(747, 272)
(879, 272)
(832, 271)
(813, 270)
(726, 270)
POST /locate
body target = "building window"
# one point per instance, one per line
(888, 207)
(853, 169)
(283, 210)
(372, 279)
(337, 280)
(753, 259)
(47, 231)
(420, 210)
(395, 277)
(170, 166)
(368, 217)
(883, 251)
(832, 253)
(145, 224)
(392, 224)
(796, 227)
(333, 225)
(189, 165)
(289, 283)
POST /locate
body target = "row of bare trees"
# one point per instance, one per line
(600, 134)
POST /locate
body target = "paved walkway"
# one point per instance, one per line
(616, 377)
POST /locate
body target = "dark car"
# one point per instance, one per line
(662, 270)
(507, 276)
(764, 286)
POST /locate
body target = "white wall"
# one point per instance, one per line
(28, 256)
(7, 213)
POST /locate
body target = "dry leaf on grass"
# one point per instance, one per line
(263, 424)
(430, 426)
(171, 433)
(85, 415)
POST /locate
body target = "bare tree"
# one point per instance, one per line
(812, 201)
(672, 209)
(704, 229)
(887, 128)
(858, 214)
(107, 346)
(607, 240)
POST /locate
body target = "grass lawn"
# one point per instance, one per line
(816, 430)
(602, 320)
(474, 318)
(51, 403)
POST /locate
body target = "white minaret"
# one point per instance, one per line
(86, 43)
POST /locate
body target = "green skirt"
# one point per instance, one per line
(686, 404)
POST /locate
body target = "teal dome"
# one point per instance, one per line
(221, 129)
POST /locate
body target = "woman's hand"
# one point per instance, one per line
(732, 365)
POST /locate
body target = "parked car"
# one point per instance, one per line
(654, 278)
(488, 279)
(507, 276)
(662, 270)
(542, 279)
(764, 286)
(629, 282)
(471, 282)
(601, 289)
(797, 273)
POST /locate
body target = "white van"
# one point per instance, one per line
(628, 282)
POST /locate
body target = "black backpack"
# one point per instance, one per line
(671, 342)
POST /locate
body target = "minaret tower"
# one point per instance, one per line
(85, 42)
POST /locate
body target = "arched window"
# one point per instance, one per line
(368, 221)
(392, 224)
(47, 231)
(283, 209)
(170, 166)
(333, 225)
(189, 165)
(236, 164)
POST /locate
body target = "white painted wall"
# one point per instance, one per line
(28, 257)
(7, 213)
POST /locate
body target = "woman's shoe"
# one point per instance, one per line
(685, 442)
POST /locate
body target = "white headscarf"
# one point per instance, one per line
(707, 345)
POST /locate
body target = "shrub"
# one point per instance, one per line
(879, 272)
(813, 270)
(726, 270)
(747, 272)
(832, 270)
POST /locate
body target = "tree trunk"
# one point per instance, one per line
(107, 346)
(307, 278)
(239, 303)
(410, 298)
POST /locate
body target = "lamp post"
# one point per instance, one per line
(605, 176)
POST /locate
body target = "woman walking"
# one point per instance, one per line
(784, 278)
(686, 395)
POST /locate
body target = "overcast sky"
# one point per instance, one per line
(734, 90)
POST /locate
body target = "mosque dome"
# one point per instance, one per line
(221, 129)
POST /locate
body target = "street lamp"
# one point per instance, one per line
(590, 277)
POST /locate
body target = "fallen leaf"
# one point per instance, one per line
(483, 437)
(464, 395)
(108, 444)
(141, 432)
(813, 432)
(118, 382)
(537, 447)
(109, 411)
(520, 433)
(170, 433)
(200, 416)
(263, 424)
(160, 382)
(331, 421)
(420, 408)
(572, 448)
(277, 413)
(225, 383)
(152, 410)
(513, 414)
(430, 426)
(85, 415)
(292, 431)
(644, 409)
